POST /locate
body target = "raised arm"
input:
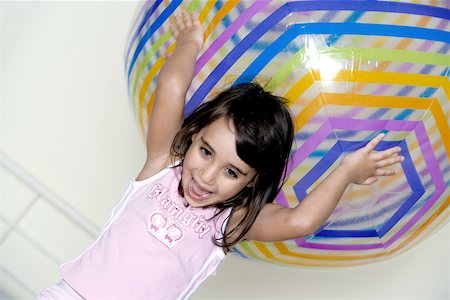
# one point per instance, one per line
(276, 223)
(172, 84)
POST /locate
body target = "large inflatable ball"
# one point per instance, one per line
(350, 70)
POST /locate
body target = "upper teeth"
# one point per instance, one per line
(199, 190)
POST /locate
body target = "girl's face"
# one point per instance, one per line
(212, 170)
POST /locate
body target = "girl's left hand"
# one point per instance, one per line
(186, 29)
(365, 165)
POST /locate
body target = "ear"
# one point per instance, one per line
(193, 136)
(251, 183)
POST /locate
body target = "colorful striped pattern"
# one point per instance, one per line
(350, 69)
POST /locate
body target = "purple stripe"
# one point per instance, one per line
(422, 211)
(442, 24)
(430, 158)
(281, 199)
(425, 46)
(353, 124)
(132, 34)
(229, 32)
(354, 111)
(305, 150)
(305, 244)
(401, 188)
(405, 67)
(381, 90)
(442, 157)
(328, 16)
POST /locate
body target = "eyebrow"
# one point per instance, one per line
(212, 150)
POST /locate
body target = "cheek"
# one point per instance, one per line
(231, 188)
(189, 158)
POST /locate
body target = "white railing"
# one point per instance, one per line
(40, 193)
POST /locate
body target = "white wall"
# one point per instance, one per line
(65, 117)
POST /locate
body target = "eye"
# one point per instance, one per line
(231, 173)
(205, 152)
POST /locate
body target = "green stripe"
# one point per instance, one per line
(158, 44)
(194, 5)
(391, 55)
(352, 53)
(246, 249)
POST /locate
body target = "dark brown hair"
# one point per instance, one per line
(264, 135)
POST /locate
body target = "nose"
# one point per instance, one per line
(208, 173)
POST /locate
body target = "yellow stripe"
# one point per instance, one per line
(377, 101)
(442, 124)
(321, 259)
(380, 41)
(426, 224)
(206, 9)
(307, 113)
(388, 78)
(224, 10)
(363, 76)
(285, 251)
(148, 79)
(300, 87)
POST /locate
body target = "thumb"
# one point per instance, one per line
(370, 180)
(167, 55)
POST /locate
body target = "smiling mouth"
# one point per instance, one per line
(197, 191)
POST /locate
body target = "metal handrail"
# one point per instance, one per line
(60, 204)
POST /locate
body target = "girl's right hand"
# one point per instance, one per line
(187, 29)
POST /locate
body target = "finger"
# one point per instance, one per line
(374, 142)
(167, 55)
(187, 19)
(174, 31)
(386, 172)
(390, 161)
(194, 18)
(179, 23)
(370, 180)
(387, 153)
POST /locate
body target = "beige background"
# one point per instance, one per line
(66, 121)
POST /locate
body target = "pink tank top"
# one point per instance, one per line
(152, 247)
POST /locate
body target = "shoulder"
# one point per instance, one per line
(155, 166)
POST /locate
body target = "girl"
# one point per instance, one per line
(208, 182)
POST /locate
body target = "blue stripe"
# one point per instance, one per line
(267, 55)
(307, 28)
(361, 7)
(339, 28)
(373, 215)
(152, 29)
(327, 161)
(402, 211)
(231, 58)
(382, 6)
(141, 25)
(430, 91)
(404, 115)
(352, 19)
(347, 233)
(227, 21)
